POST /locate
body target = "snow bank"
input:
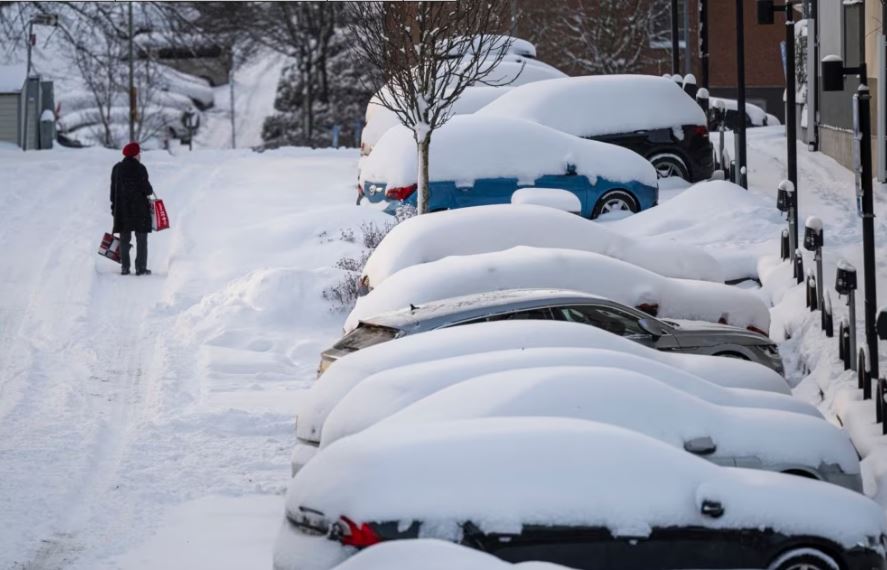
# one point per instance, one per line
(550, 197)
(723, 217)
(484, 229)
(535, 268)
(443, 474)
(389, 391)
(349, 371)
(598, 105)
(470, 147)
(643, 404)
(430, 554)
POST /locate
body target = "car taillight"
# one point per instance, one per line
(360, 189)
(757, 330)
(349, 533)
(698, 131)
(401, 193)
(651, 309)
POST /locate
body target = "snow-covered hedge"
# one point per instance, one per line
(471, 147)
(600, 104)
(389, 391)
(536, 268)
(484, 229)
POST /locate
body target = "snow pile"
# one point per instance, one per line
(484, 229)
(535, 268)
(724, 218)
(471, 147)
(551, 197)
(430, 554)
(643, 404)
(389, 391)
(600, 105)
(349, 371)
(443, 474)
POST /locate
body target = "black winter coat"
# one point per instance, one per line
(130, 189)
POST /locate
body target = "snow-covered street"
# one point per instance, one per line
(136, 411)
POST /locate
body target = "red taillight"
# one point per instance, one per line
(350, 534)
(651, 309)
(401, 193)
(698, 131)
(359, 189)
(757, 330)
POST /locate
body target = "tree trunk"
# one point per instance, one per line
(422, 147)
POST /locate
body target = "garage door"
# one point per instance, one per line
(9, 118)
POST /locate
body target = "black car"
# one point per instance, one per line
(650, 115)
(582, 494)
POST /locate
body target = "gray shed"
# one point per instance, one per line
(13, 114)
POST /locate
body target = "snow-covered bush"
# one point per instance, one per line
(344, 293)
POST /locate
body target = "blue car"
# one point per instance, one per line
(477, 161)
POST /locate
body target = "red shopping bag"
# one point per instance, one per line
(159, 219)
(110, 247)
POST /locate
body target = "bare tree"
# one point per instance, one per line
(428, 53)
(599, 37)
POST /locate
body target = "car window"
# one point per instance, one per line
(364, 336)
(541, 314)
(611, 320)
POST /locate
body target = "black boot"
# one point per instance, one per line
(144, 272)
(124, 271)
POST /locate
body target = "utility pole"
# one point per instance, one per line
(703, 40)
(46, 20)
(675, 40)
(741, 151)
(231, 96)
(132, 88)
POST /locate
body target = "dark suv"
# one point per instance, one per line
(650, 115)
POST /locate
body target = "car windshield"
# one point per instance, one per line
(364, 336)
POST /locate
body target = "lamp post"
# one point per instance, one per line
(766, 11)
(741, 176)
(833, 72)
(44, 20)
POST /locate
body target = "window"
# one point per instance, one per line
(540, 314)
(364, 336)
(608, 319)
(660, 24)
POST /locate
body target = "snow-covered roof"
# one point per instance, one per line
(644, 404)
(348, 371)
(488, 471)
(551, 197)
(12, 78)
(431, 554)
(601, 104)
(484, 229)
(470, 147)
(528, 268)
(389, 391)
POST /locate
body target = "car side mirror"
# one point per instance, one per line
(882, 324)
(653, 327)
(713, 509)
(700, 446)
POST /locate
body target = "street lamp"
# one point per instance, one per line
(42, 20)
(766, 12)
(833, 73)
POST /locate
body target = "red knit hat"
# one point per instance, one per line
(132, 149)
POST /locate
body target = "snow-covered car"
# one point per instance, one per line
(432, 554)
(637, 324)
(477, 160)
(340, 377)
(389, 391)
(485, 229)
(733, 437)
(584, 271)
(570, 492)
(650, 115)
(754, 116)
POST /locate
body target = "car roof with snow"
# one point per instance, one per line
(641, 403)
(549, 268)
(472, 147)
(596, 105)
(484, 229)
(387, 392)
(348, 371)
(487, 471)
(477, 304)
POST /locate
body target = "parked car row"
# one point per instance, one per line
(500, 392)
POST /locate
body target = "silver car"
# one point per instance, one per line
(693, 337)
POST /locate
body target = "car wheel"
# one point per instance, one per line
(615, 201)
(668, 165)
(804, 559)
